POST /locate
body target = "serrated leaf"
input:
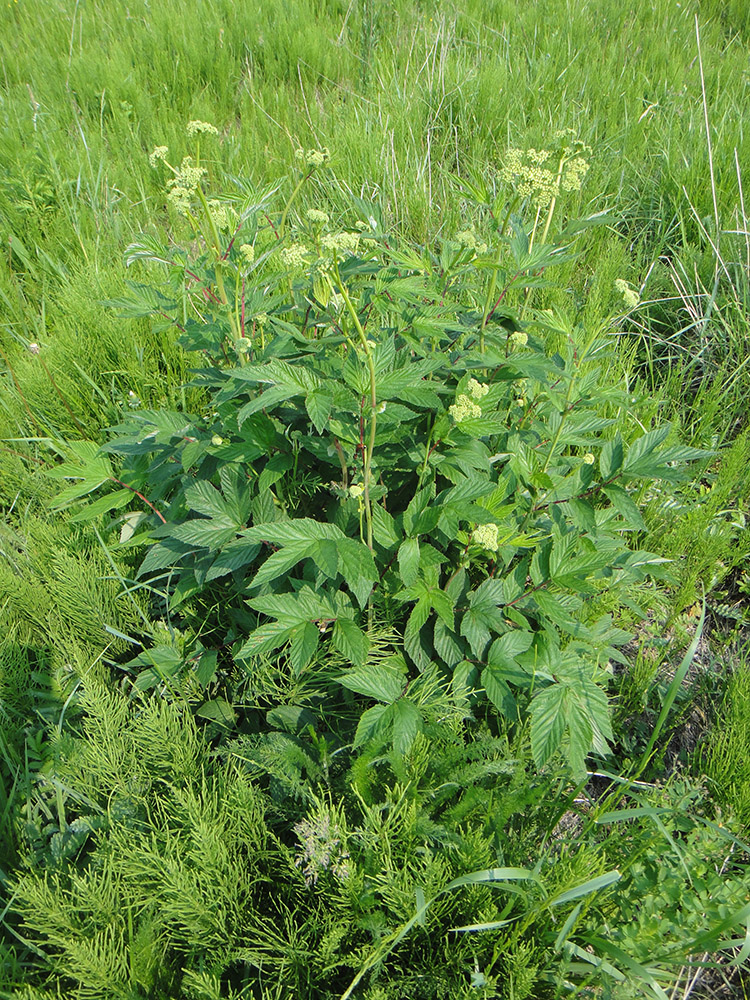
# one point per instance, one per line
(112, 501)
(205, 499)
(325, 555)
(447, 644)
(281, 562)
(383, 681)
(318, 404)
(384, 527)
(408, 561)
(265, 639)
(303, 646)
(499, 692)
(625, 507)
(374, 725)
(611, 457)
(205, 533)
(233, 556)
(300, 529)
(407, 722)
(357, 567)
(547, 712)
(350, 641)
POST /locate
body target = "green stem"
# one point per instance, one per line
(493, 280)
(288, 205)
(373, 400)
(214, 232)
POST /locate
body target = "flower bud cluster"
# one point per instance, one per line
(313, 157)
(341, 243)
(198, 128)
(630, 297)
(463, 408)
(486, 536)
(294, 256)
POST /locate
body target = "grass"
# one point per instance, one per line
(409, 97)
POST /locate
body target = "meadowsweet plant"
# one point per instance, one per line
(391, 440)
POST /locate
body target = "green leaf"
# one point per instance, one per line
(217, 710)
(412, 633)
(275, 469)
(639, 461)
(112, 501)
(383, 527)
(300, 529)
(325, 555)
(205, 533)
(303, 646)
(374, 725)
(265, 639)
(416, 507)
(234, 555)
(281, 562)
(318, 404)
(351, 641)
(499, 692)
(625, 506)
(407, 722)
(205, 499)
(408, 561)
(488, 595)
(611, 457)
(547, 711)
(384, 681)
(357, 566)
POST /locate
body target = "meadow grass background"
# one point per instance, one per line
(407, 95)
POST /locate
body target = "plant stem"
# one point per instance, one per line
(218, 262)
(373, 401)
(288, 205)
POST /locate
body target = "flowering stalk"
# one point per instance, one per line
(218, 262)
(373, 400)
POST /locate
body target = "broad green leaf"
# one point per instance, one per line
(416, 506)
(408, 561)
(303, 646)
(357, 567)
(625, 506)
(489, 594)
(281, 562)
(318, 404)
(112, 501)
(383, 681)
(412, 633)
(205, 533)
(205, 499)
(547, 711)
(611, 458)
(384, 527)
(407, 722)
(233, 556)
(301, 529)
(351, 641)
(325, 555)
(265, 639)
(499, 692)
(374, 725)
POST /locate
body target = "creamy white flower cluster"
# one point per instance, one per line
(313, 157)
(340, 243)
(630, 297)
(486, 536)
(465, 407)
(294, 256)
